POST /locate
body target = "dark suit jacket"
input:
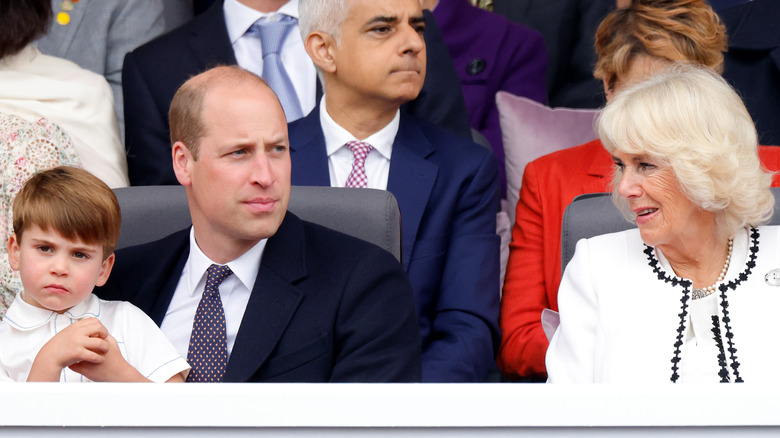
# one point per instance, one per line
(325, 307)
(752, 63)
(568, 27)
(153, 72)
(446, 189)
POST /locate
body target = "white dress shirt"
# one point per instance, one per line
(249, 53)
(340, 158)
(234, 291)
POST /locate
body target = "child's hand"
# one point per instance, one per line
(82, 341)
(114, 367)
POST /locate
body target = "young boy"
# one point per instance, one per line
(66, 225)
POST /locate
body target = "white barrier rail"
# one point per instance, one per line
(33, 409)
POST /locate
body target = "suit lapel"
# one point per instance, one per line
(273, 302)
(309, 156)
(210, 43)
(411, 179)
(161, 275)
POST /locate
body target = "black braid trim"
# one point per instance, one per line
(683, 313)
(724, 372)
(724, 303)
(743, 276)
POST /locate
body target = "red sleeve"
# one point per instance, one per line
(523, 343)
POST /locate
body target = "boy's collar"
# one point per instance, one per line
(25, 316)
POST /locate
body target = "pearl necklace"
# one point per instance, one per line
(701, 293)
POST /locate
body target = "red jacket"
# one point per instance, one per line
(533, 272)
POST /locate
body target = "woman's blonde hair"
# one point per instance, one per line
(674, 30)
(689, 118)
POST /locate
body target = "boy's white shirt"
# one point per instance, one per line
(25, 329)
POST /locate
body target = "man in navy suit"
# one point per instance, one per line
(371, 56)
(752, 63)
(220, 36)
(301, 303)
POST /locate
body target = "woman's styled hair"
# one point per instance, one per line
(21, 23)
(690, 119)
(674, 30)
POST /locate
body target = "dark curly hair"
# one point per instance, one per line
(22, 22)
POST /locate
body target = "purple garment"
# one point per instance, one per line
(491, 54)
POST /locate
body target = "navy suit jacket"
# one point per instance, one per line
(153, 72)
(325, 307)
(447, 189)
(569, 28)
(752, 63)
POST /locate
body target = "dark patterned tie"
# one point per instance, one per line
(207, 353)
(358, 177)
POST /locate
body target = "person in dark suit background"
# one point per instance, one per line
(301, 303)
(372, 59)
(568, 27)
(752, 62)
(153, 72)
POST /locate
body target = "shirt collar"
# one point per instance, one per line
(238, 17)
(336, 136)
(25, 316)
(245, 267)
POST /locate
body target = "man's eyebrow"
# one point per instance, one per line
(382, 19)
(417, 20)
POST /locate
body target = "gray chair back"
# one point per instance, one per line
(153, 212)
(594, 214)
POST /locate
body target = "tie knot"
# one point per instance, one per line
(216, 274)
(272, 33)
(359, 149)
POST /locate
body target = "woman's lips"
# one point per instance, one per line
(644, 215)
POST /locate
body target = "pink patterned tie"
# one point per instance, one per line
(207, 353)
(357, 178)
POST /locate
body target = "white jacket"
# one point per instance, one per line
(621, 305)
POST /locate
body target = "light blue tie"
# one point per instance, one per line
(272, 35)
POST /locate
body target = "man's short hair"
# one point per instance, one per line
(186, 113)
(71, 201)
(322, 15)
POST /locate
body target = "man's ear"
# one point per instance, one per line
(320, 47)
(182, 159)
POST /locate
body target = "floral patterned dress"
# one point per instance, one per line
(25, 148)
